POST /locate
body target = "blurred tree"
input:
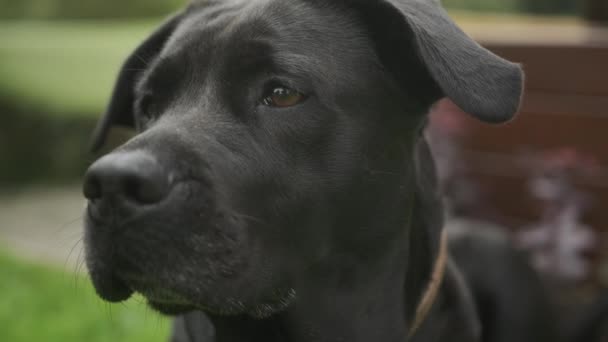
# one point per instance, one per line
(499, 6)
(76, 9)
(517, 6)
(596, 10)
(551, 6)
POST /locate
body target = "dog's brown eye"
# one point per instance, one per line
(282, 97)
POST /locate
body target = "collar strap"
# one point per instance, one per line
(432, 290)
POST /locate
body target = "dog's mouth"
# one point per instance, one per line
(118, 288)
(121, 286)
(185, 256)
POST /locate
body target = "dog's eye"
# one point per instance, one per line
(282, 97)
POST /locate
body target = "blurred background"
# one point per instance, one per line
(541, 179)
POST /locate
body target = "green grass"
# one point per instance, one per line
(64, 67)
(42, 304)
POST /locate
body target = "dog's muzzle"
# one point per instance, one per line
(120, 186)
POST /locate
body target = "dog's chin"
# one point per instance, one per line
(116, 288)
(171, 305)
(170, 309)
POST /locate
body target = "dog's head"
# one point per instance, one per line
(275, 140)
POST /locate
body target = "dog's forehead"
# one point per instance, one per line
(296, 27)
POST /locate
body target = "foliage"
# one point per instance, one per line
(35, 147)
(517, 6)
(42, 304)
(55, 80)
(70, 9)
(484, 5)
(550, 6)
(66, 9)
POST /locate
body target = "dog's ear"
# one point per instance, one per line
(475, 79)
(120, 109)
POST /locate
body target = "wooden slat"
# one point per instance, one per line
(494, 154)
(567, 104)
(589, 106)
(596, 10)
(542, 130)
(513, 200)
(519, 166)
(535, 31)
(561, 69)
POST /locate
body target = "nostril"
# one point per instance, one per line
(145, 190)
(132, 188)
(92, 188)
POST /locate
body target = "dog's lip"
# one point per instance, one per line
(111, 288)
(170, 309)
(152, 290)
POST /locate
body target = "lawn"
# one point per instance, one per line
(65, 67)
(42, 304)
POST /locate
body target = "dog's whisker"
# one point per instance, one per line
(110, 312)
(80, 261)
(74, 246)
(68, 224)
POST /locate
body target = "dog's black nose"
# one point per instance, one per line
(135, 177)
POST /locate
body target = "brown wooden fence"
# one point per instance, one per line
(565, 106)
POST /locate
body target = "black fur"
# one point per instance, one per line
(316, 222)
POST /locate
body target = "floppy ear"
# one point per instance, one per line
(475, 79)
(120, 108)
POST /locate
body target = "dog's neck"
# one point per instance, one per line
(357, 299)
(340, 305)
(333, 315)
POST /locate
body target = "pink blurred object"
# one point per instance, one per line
(442, 133)
(559, 242)
(448, 120)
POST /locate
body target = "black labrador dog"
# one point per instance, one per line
(279, 187)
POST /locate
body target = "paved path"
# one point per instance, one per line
(43, 224)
